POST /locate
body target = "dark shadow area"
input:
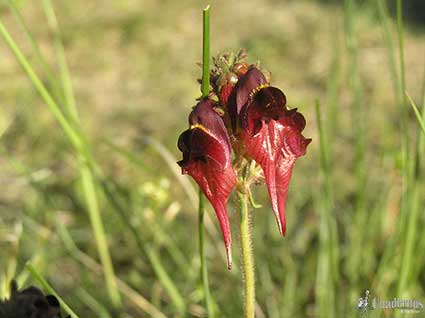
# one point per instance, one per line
(413, 10)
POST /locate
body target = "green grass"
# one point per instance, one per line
(75, 135)
(92, 102)
(49, 289)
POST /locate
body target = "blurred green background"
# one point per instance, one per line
(355, 208)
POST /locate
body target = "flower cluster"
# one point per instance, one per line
(243, 113)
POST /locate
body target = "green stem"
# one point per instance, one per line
(204, 271)
(247, 257)
(205, 88)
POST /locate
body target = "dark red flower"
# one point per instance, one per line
(261, 128)
(271, 135)
(29, 303)
(207, 158)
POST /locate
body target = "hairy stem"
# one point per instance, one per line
(247, 257)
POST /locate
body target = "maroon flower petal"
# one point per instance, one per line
(225, 92)
(207, 158)
(272, 138)
(268, 103)
(205, 114)
(248, 84)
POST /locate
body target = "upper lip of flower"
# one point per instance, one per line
(252, 81)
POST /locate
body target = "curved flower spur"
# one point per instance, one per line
(245, 113)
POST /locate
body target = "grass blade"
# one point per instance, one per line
(84, 158)
(418, 115)
(37, 51)
(65, 78)
(152, 255)
(92, 303)
(68, 129)
(409, 252)
(45, 285)
(84, 259)
(99, 231)
(327, 270)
